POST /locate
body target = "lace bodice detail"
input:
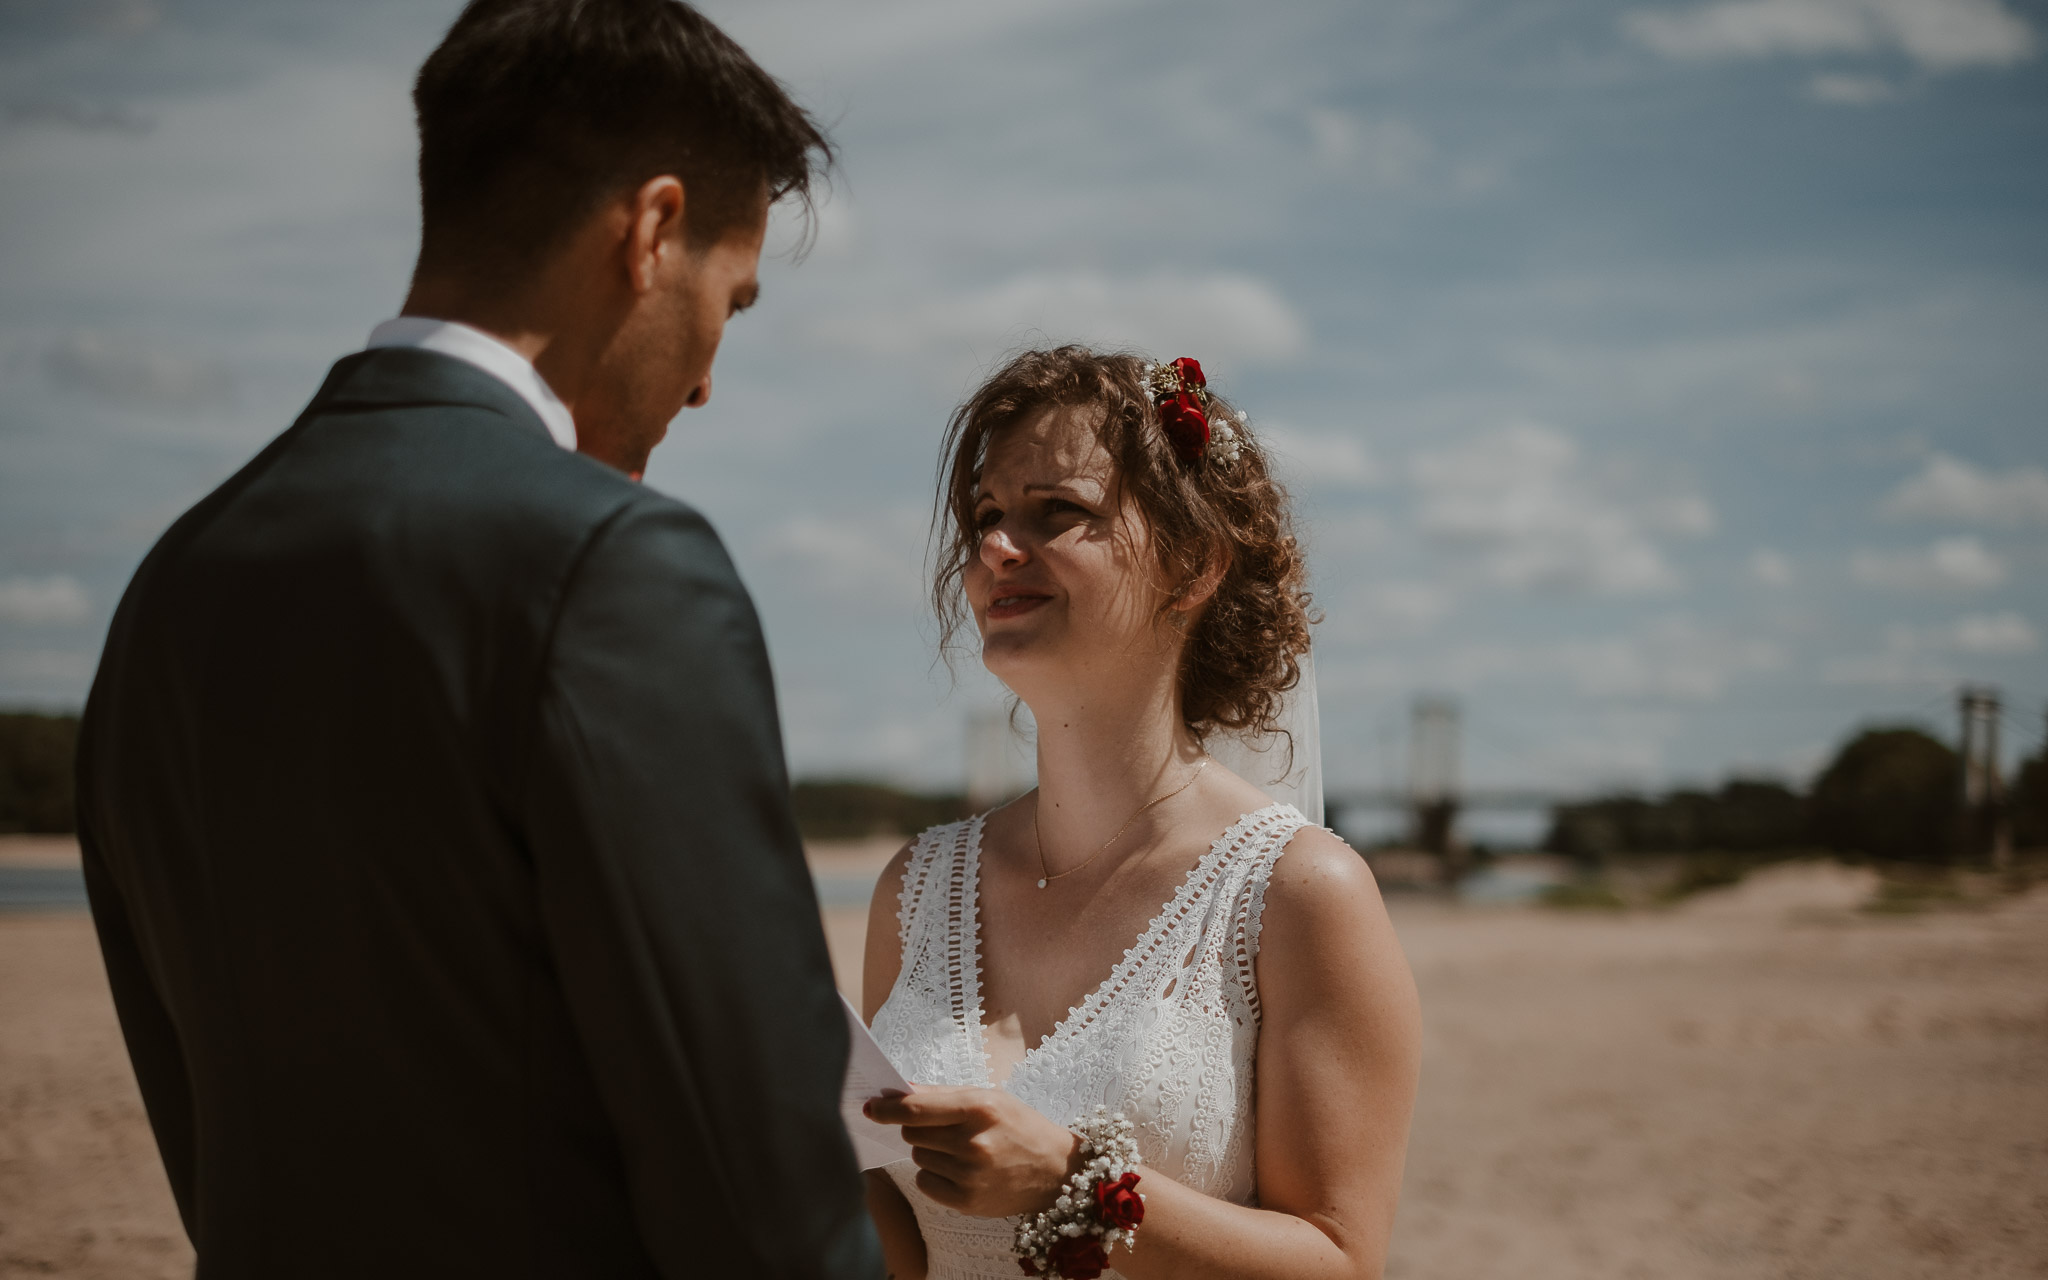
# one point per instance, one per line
(1169, 1038)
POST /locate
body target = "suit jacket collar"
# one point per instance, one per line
(394, 376)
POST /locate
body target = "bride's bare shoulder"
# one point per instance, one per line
(1320, 896)
(1328, 956)
(1318, 856)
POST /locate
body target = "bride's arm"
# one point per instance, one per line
(1339, 1045)
(902, 1242)
(1338, 1049)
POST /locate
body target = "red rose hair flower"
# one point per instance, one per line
(1186, 426)
(1181, 393)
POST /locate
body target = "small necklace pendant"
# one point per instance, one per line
(1041, 883)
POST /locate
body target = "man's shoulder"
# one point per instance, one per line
(653, 538)
(437, 463)
(451, 439)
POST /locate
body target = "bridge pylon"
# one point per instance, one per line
(1433, 776)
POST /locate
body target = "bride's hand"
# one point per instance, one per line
(981, 1151)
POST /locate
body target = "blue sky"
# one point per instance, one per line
(1666, 381)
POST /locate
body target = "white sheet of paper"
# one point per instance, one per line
(868, 1073)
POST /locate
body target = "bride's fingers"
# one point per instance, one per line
(943, 1163)
(942, 1189)
(951, 1138)
(928, 1107)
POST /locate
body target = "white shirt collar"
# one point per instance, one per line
(452, 338)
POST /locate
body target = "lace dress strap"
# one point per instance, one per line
(927, 855)
(938, 927)
(1249, 908)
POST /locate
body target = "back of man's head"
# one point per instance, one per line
(534, 112)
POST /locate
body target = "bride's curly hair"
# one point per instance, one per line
(1245, 645)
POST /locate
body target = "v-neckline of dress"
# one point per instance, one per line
(1096, 1001)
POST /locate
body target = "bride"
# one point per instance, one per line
(1219, 1086)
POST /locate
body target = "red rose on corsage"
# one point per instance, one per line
(1186, 426)
(1077, 1257)
(1190, 370)
(1119, 1202)
(1030, 1267)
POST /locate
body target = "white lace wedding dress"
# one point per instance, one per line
(1168, 1038)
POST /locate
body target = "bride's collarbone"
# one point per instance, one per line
(1046, 952)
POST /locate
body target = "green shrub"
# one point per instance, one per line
(37, 753)
(852, 810)
(1744, 816)
(1890, 794)
(1581, 895)
(2030, 804)
(1698, 872)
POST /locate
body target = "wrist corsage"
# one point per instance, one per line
(1097, 1208)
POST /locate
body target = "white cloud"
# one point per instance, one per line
(829, 231)
(1321, 458)
(816, 39)
(54, 601)
(1994, 634)
(1951, 489)
(1939, 35)
(1673, 658)
(1841, 90)
(1239, 318)
(1670, 659)
(1891, 668)
(1916, 655)
(1771, 568)
(1627, 748)
(1521, 501)
(1949, 563)
(872, 562)
(1387, 153)
(1369, 613)
(1686, 513)
(1420, 605)
(136, 375)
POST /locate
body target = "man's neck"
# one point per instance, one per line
(527, 326)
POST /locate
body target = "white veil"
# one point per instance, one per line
(1264, 761)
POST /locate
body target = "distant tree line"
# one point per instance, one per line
(36, 754)
(2030, 804)
(1891, 794)
(851, 810)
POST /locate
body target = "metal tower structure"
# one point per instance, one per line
(1984, 828)
(1433, 758)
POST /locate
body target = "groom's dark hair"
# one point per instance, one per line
(533, 112)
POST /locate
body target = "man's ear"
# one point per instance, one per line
(654, 229)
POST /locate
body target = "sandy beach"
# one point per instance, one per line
(1764, 1082)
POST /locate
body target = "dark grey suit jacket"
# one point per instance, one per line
(438, 836)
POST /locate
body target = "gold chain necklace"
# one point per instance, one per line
(1047, 877)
